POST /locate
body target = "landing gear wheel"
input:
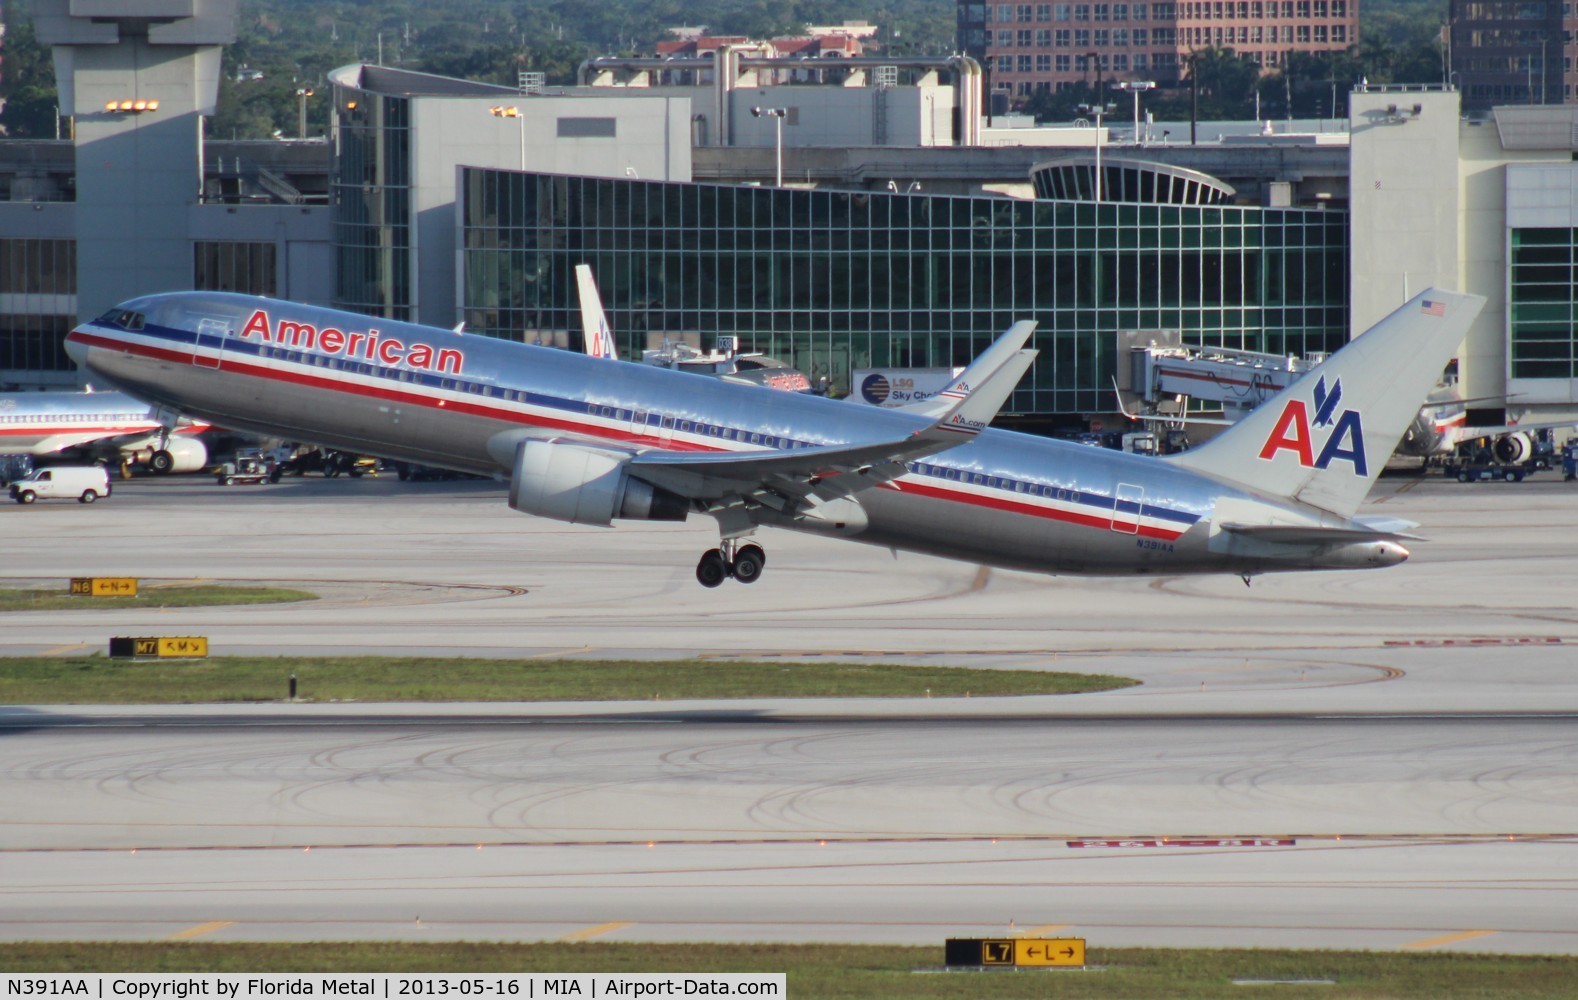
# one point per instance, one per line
(712, 570)
(748, 564)
(161, 462)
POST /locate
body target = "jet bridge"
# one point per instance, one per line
(1166, 376)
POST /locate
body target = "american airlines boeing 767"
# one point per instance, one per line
(591, 440)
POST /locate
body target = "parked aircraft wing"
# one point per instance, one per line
(1002, 351)
(830, 472)
(1469, 432)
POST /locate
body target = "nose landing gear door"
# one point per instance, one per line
(211, 336)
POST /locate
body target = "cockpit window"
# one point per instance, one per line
(126, 319)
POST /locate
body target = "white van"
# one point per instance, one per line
(85, 484)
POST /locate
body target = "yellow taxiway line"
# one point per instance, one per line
(1042, 931)
(200, 930)
(598, 931)
(1445, 939)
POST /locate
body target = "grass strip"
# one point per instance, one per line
(98, 680)
(194, 596)
(863, 972)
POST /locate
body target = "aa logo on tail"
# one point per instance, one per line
(1295, 431)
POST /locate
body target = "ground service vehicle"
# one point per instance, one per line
(85, 484)
(247, 470)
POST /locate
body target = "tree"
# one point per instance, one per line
(27, 86)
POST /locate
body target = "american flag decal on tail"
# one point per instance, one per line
(1432, 308)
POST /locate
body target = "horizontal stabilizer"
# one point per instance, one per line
(1298, 534)
(1396, 525)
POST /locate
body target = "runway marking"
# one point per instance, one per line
(200, 930)
(70, 647)
(1031, 932)
(1335, 841)
(598, 931)
(1446, 939)
(1522, 640)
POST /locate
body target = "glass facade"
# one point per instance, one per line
(832, 280)
(226, 266)
(38, 303)
(1543, 298)
(371, 200)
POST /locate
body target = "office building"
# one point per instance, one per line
(1029, 46)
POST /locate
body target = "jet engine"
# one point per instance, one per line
(1514, 449)
(180, 455)
(584, 485)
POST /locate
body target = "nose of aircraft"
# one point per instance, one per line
(75, 349)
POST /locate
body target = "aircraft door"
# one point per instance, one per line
(1127, 502)
(211, 336)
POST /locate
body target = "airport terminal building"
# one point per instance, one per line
(836, 280)
(444, 201)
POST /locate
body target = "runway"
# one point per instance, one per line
(1393, 752)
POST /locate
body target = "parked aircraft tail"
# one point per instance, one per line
(1324, 439)
(595, 334)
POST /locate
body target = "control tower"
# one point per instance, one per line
(136, 75)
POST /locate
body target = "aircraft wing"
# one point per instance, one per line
(1003, 350)
(779, 478)
(1469, 433)
(596, 337)
(1436, 404)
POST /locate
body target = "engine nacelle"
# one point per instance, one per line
(1514, 449)
(584, 485)
(180, 455)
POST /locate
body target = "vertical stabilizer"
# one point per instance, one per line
(1324, 439)
(597, 338)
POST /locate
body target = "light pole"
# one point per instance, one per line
(777, 115)
(1137, 87)
(1098, 110)
(515, 113)
(302, 93)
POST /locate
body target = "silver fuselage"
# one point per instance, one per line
(45, 423)
(436, 397)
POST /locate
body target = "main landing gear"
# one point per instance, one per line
(743, 562)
